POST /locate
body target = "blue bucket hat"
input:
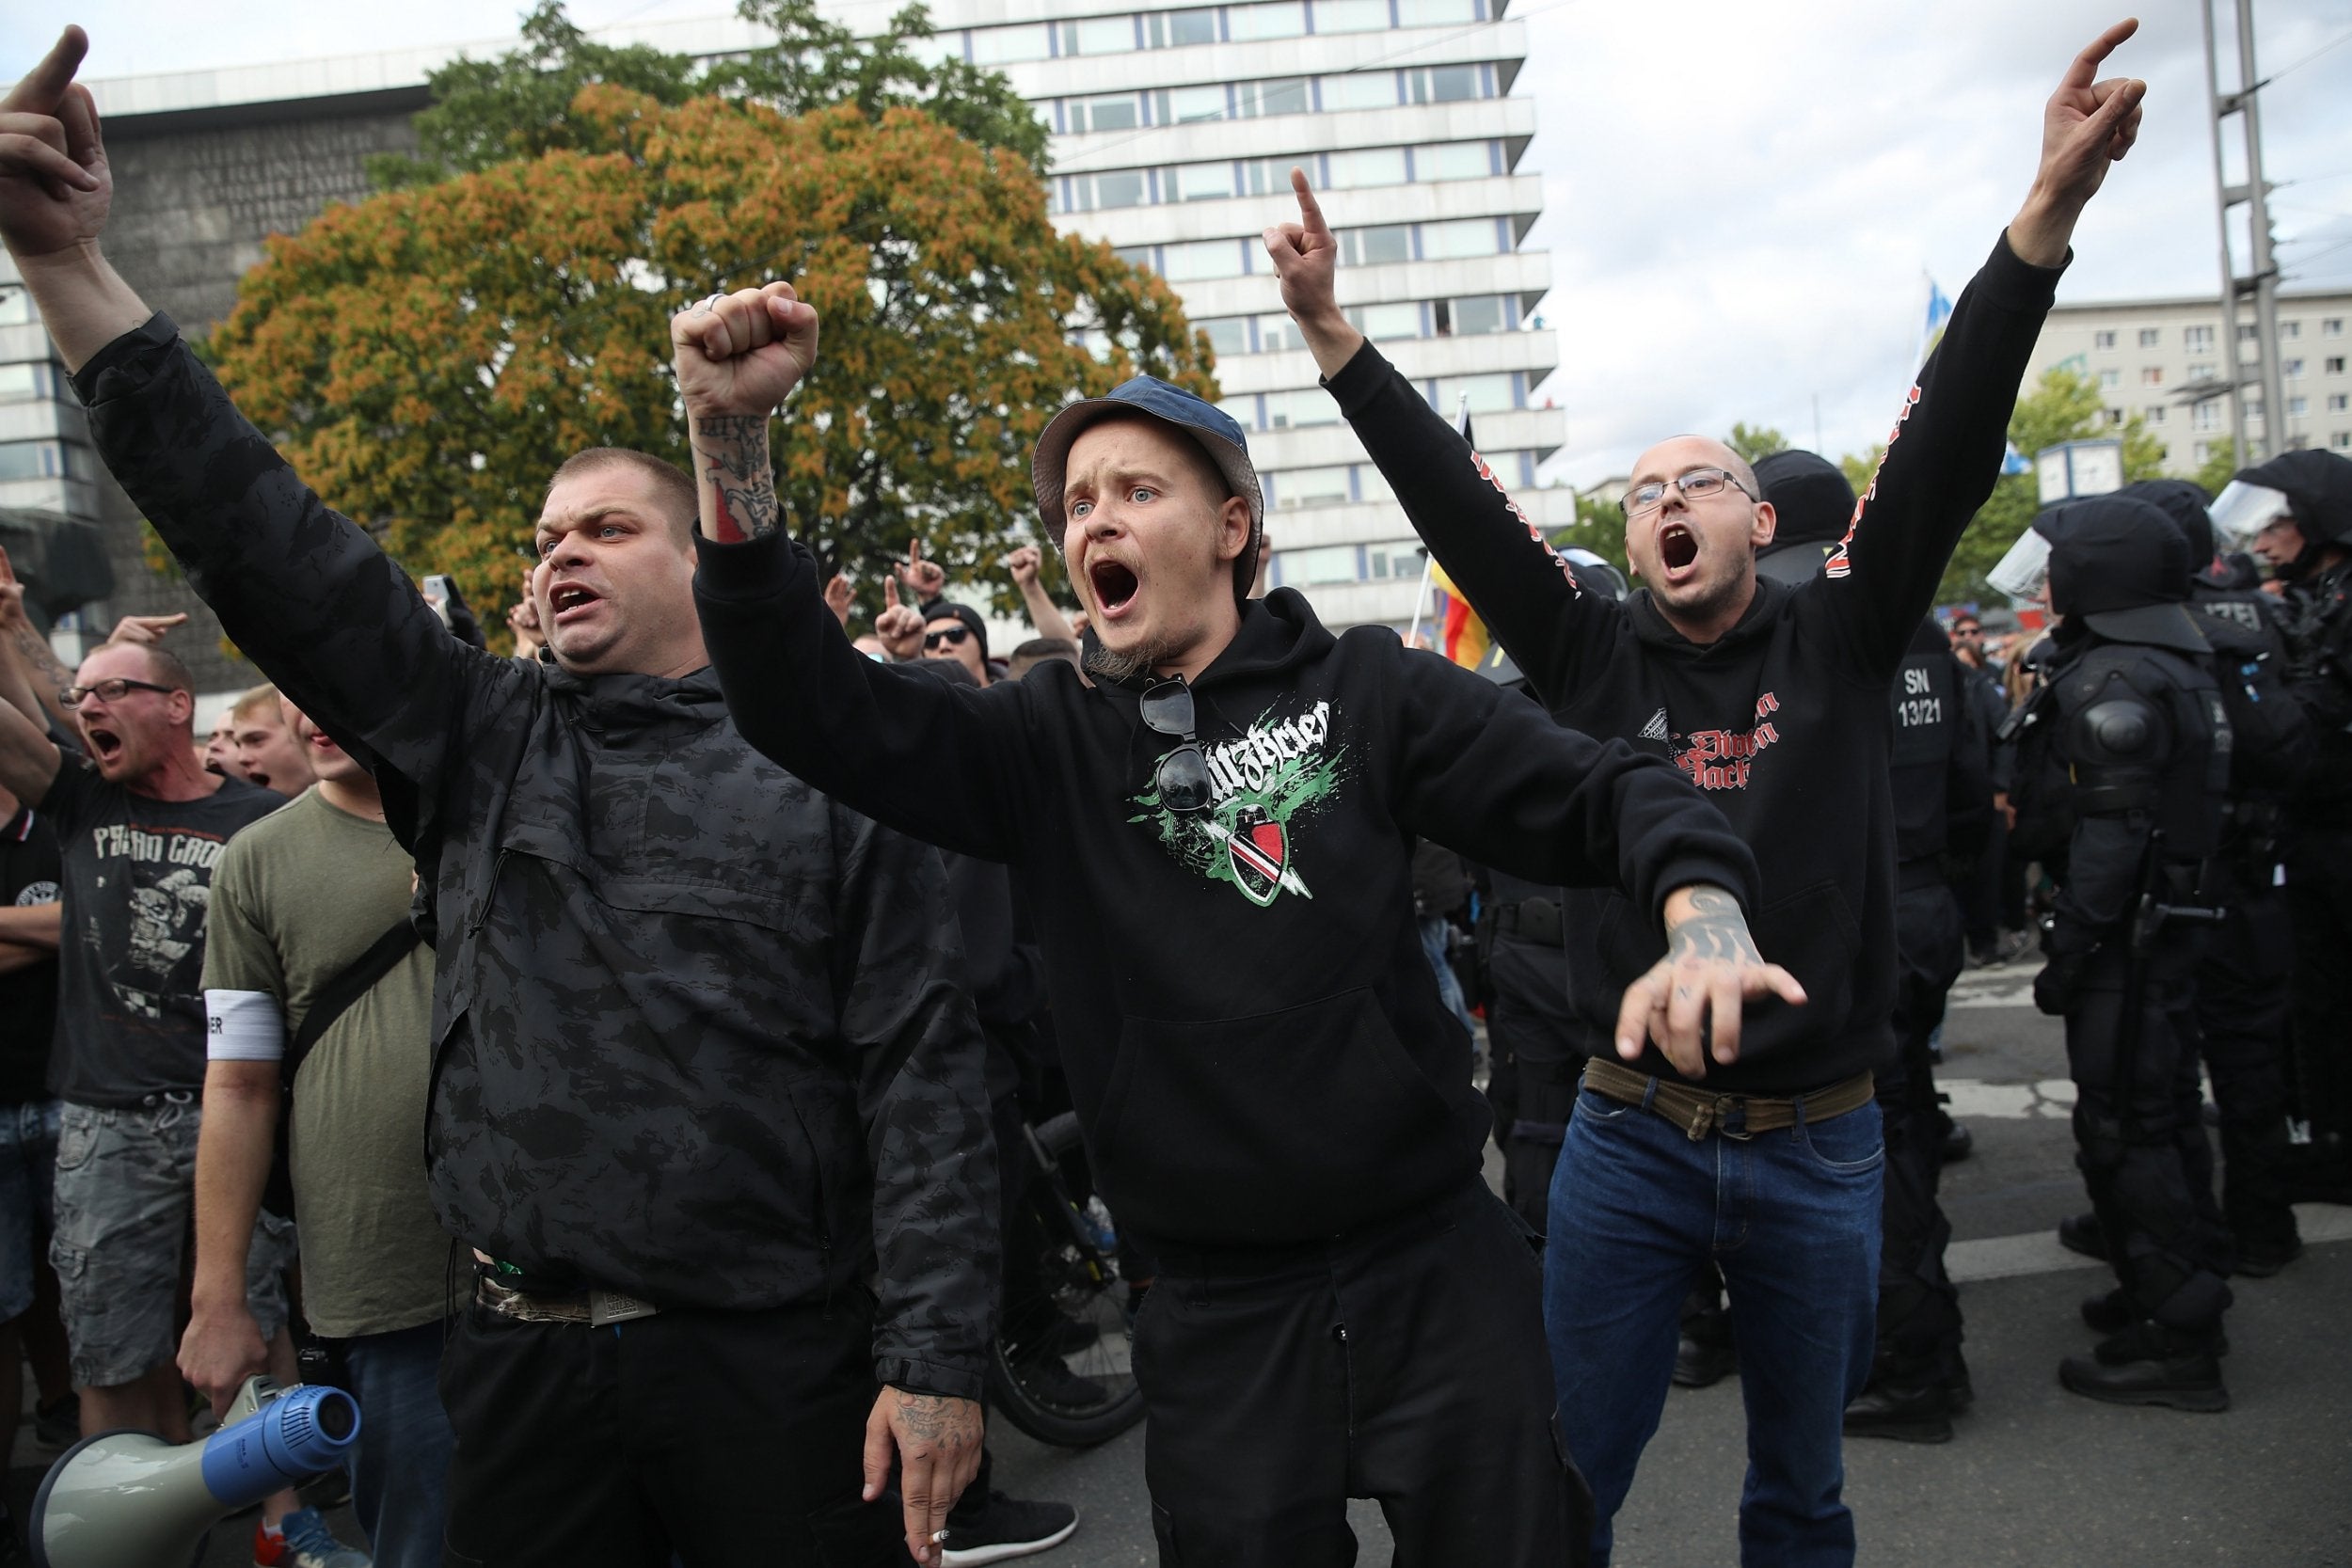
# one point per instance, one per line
(1210, 427)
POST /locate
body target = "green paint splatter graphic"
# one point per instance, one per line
(1298, 785)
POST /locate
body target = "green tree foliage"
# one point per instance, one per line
(2063, 406)
(429, 357)
(1760, 441)
(2218, 469)
(521, 104)
(1599, 528)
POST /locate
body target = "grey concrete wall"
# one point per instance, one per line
(194, 201)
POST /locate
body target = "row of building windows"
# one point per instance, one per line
(2198, 339)
(2153, 375)
(1275, 333)
(38, 383)
(2212, 414)
(1337, 563)
(1287, 489)
(1227, 178)
(1279, 95)
(1492, 392)
(1125, 34)
(1195, 260)
(42, 460)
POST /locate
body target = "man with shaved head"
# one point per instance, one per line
(1772, 700)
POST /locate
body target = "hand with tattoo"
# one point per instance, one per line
(937, 1439)
(738, 357)
(1689, 1003)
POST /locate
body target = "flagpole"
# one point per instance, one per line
(1421, 597)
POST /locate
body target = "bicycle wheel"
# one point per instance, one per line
(1060, 1368)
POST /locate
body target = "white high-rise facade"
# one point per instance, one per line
(1175, 129)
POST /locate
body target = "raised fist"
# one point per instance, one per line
(740, 355)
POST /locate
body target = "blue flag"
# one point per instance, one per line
(1939, 309)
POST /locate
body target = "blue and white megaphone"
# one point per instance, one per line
(129, 1499)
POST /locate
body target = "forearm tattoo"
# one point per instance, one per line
(935, 1418)
(41, 661)
(732, 451)
(1714, 931)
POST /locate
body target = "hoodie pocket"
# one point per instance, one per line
(1277, 1126)
(1813, 934)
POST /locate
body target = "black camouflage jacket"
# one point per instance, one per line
(699, 1034)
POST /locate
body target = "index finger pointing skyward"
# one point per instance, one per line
(1309, 211)
(2086, 67)
(44, 86)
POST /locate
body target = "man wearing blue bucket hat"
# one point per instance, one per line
(1214, 834)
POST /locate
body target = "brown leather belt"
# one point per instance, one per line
(593, 1308)
(1735, 1116)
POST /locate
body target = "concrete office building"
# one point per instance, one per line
(2163, 361)
(1174, 128)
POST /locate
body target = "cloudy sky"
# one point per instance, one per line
(1743, 200)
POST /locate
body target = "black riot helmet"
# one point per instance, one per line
(2318, 487)
(1813, 503)
(2184, 503)
(2120, 565)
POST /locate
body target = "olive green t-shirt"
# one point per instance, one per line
(296, 897)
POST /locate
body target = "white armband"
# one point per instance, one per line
(243, 1026)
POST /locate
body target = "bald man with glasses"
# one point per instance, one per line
(1773, 699)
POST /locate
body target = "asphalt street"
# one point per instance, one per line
(2035, 1476)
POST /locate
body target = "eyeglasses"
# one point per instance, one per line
(1183, 776)
(951, 636)
(1697, 484)
(111, 691)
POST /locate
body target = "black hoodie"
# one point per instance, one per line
(1783, 720)
(1253, 1038)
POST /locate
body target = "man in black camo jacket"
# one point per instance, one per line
(707, 1104)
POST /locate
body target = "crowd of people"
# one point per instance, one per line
(611, 1061)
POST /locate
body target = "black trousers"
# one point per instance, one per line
(719, 1437)
(2140, 1137)
(1918, 1307)
(2243, 984)
(1405, 1363)
(2319, 904)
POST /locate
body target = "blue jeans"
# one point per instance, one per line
(400, 1471)
(1792, 1217)
(1433, 930)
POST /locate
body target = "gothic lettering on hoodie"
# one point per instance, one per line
(1720, 759)
(1276, 772)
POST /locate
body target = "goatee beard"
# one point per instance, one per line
(1118, 667)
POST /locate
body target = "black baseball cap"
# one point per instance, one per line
(1212, 428)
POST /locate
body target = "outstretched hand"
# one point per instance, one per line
(2087, 125)
(740, 355)
(1690, 1002)
(54, 184)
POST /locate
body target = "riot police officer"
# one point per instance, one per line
(1943, 808)
(2123, 770)
(2297, 508)
(1537, 1041)
(2245, 976)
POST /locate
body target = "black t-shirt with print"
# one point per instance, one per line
(138, 874)
(28, 997)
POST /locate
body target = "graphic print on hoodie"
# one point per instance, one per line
(1277, 772)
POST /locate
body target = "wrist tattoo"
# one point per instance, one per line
(732, 451)
(1713, 931)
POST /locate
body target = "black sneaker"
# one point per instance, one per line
(2081, 1233)
(1049, 1380)
(58, 1425)
(999, 1528)
(1702, 1363)
(2184, 1378)
(2261, 1260)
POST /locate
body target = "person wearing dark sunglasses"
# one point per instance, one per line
(1214, 834)
(956, 631)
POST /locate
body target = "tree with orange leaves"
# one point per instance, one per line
(427, 357)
